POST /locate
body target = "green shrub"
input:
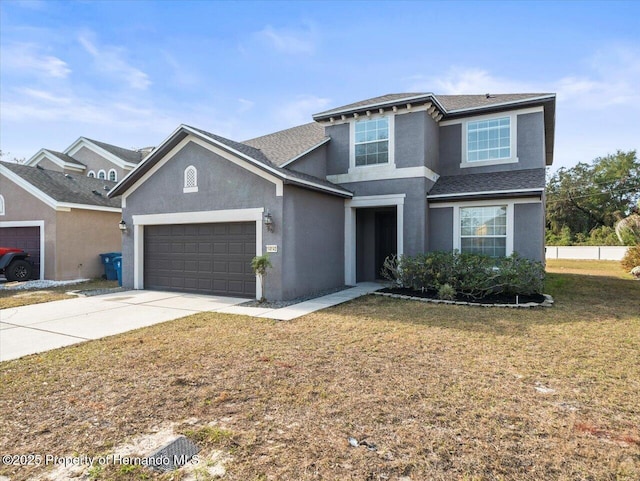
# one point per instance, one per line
(446, 292)
(632, 258)
(472, 275)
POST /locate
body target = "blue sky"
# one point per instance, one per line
(129, 72)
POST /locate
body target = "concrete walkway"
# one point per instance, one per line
(42, 327)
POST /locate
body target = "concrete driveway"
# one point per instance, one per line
(41, 327)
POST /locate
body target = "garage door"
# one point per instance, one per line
(202, 258)
(25, 238)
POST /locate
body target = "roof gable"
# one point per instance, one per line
(123, 158)
(62, 160)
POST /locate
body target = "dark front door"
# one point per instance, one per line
(203, 258)
(386, 237)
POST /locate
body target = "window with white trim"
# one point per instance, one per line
(91, 174)
(372, 141)
(190, 179)
(483, 230)
(102, 174)
(1, 205)
(113, 175)
(489, 139)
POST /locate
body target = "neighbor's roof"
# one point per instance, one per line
(66, 158)
(66, 188)
(133, 156)
(285, 145)
(508, 182)
(254, 155)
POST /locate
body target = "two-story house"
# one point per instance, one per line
(55, 207)
(330, 200)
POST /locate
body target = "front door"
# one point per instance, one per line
(385, 237)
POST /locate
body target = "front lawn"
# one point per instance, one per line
(443, 392)
(24, 297)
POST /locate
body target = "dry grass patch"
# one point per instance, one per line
(444, 392)
(17, 298)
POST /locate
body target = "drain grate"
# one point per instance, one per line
(172, 456)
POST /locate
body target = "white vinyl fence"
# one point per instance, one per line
(601, 253)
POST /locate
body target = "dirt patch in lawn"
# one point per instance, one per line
(441, 392)
(16, 298)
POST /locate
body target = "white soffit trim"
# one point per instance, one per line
(340, 110)
(309, 150)
(486, 202)
(383, 173)
(200, 217)
(83, 142)
(502, 104)
(30, 223)
(376, 200)
(485, 192)
(530, 110)
(47, 154)
(101, 208)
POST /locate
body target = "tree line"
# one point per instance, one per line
(586, 202)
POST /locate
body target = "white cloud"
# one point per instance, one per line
(44, 95)
(300, 110)
(28, 58)
(111, 60)
(301, 41)
(245, 105)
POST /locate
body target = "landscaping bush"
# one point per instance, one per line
(632, 258)
(471, 275)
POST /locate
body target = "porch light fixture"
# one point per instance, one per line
(268, 221)
(122, 225)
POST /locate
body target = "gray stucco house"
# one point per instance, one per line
(401, 173)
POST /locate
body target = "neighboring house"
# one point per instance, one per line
(91, 158)
(397, 174)
(55, 207)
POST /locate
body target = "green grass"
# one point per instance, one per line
(444, 392)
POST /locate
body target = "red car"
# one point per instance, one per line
(15, 264)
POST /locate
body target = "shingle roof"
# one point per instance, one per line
(450, 103)
(463, 102)
(285, 145)
(65, 157)
(133, 156)
(74, 189)
(513, 180)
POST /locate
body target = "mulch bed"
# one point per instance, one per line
(492, 299)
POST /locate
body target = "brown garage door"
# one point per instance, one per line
(203, 258)
(25, 238)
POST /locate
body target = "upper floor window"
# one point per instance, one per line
(190, 179)
(113, 175)
(91, 174)
(1, 205)
(489, 139)
(102, 174)
(483, 230)
(372, 141)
